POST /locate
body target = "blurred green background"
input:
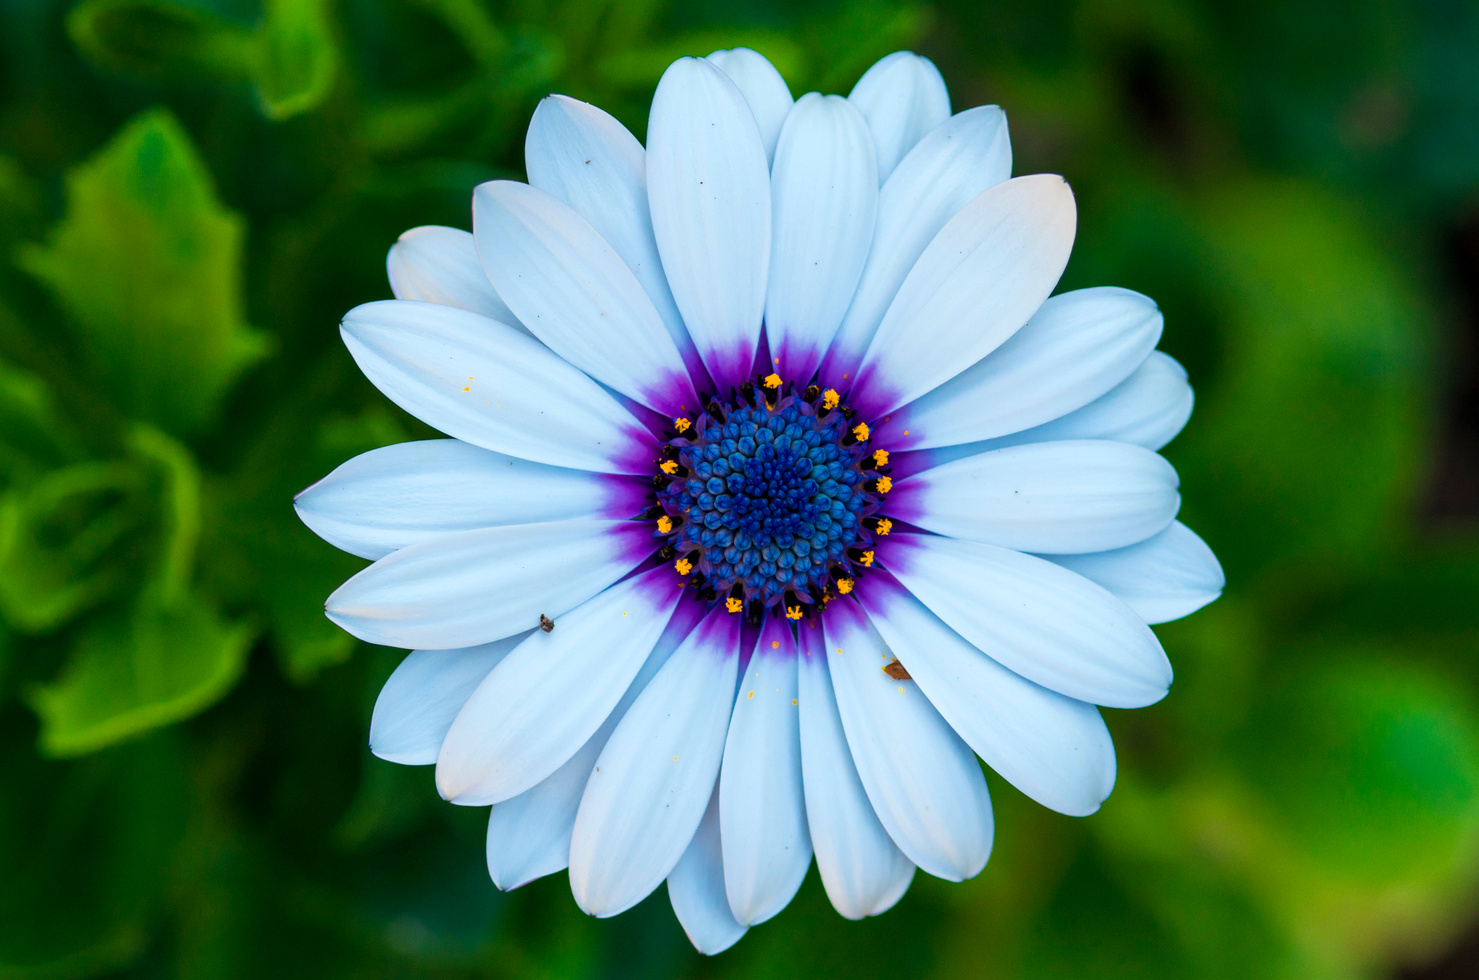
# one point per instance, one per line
(193, 193)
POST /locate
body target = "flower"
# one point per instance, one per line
(778, 490)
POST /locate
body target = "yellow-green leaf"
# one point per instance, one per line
(148, 666)
(147, 263)
(296, 57)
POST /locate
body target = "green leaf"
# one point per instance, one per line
(61, 539)
(32, 435)
(166, 656)
(151, 38)
(296, 57)
(148, 265)
(144, 667)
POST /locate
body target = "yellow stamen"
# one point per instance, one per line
(844, 585)
(665, 524)
(733, 605)
(885, 484)
(772, 380)
(682, 424)
(880, 457)
(867, 559)
(830, 398)
(884, 526)
(683, 565)
(793, 612)
(861, 431)
(669, 466)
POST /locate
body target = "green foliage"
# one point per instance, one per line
(187, 791)
(296, 57)
(148, 266)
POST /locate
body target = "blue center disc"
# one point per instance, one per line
(769, 500)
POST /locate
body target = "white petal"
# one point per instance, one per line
(1166, 577)
(764, 90)
(696, 889)
(399, 495)
(1044, 622)
(1054, 497)
(576, 294)
(1052, 748)
(440, 265)
(529, 835)
(584, 157)
(761, 806)
(903, 97)
(493, 386)
(923, 781)
(548, 697)
(862, 869)
(708, 185)
(419, 700)
(824, 192)
(1075, 348)
(983, 276)
(957, 160)
(476, 586)
(654, 778)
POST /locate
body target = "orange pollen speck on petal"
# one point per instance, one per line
(830, 398)
(669, 466)
(775, 644)
(772, 380)
(861, 431)
(733, 605)
(844, 585)
(885, 526)
(665, 524)
(683, 565)
(793, 612)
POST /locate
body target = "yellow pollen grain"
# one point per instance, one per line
(793, 702)
(861, 431)
(867, 559)
(733, 605)
(665, 524)
(669, 466)
(772, 380)
(683, 565)
(880, 457)
(830, 398)
(885, 484)
(793, 612)
(752, 694)
(884, 526)
(906, 432)
(844, 585)
(775, 644)
(465, 388)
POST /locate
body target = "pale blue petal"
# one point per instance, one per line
(419, 700)
(1048, 624)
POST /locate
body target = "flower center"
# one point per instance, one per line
(767, 500)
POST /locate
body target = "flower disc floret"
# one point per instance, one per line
(770, 500)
